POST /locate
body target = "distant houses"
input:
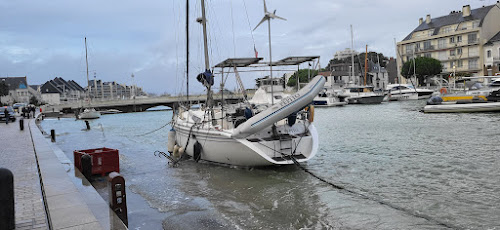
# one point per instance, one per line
(59, 90)
(18, 90)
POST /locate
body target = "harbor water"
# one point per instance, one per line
(399, 169)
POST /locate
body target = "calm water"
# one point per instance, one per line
(402, 169)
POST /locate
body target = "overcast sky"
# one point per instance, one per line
(45, 39)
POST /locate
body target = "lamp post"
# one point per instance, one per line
(454, 78)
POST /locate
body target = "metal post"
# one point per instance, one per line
(87, 124)
(117, 196)
(7, 212)
(21, 124)
(53, 135)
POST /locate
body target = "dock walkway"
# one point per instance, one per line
(48, 192)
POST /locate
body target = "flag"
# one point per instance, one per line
(256, 53)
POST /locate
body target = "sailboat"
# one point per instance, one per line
(88, 112)
(242, 134)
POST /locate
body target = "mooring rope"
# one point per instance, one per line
(144, 134)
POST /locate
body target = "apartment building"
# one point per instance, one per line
(101, 90)
(457, 40)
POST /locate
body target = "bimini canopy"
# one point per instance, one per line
(238, 62)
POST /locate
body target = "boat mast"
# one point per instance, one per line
(205, 43)
(187, 53)
(366, 63)
(87, 65)
(352, 56)
(271, 62)
(397, 66)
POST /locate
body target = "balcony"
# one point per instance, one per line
(474, 41)
(428, 48)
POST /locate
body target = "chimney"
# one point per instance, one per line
(428, 19)
(420, 20)
(466, 11)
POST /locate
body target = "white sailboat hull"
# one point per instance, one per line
(219, 147)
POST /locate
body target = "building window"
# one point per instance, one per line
(473, 51)
(427, 55)
(442, 55)
(473, 64)
(488, 53)
(452, 52)
(459, 51)
(459, 38)
(409, 49)
(452, 40)
(452, 64)
(460, 63)
(417, 46)
(441, 43)
(427, 45)
(475, 24)
(446, 30)
(472, 38)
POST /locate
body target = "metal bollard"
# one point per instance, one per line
(87, 124)
(21, 124)
(53, 135)
(86, 161)
(7, 213)
(117, 196)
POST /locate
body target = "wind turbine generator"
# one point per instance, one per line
(268, 16)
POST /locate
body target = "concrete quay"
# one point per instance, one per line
(48, 192)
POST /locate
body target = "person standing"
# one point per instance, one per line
(7, 115)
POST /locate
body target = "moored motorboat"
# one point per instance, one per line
(489, 104)
(362, 95)
(328, 98)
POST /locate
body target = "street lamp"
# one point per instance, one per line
(454, 78)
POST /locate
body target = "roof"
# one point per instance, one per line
(15, 82)
(453, 18)
(294, 60)
(238, 62)
(495, 38)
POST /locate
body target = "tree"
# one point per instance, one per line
(424, 66)
(303, 77)
(34, 100)
(4, 90)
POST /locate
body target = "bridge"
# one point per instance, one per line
(140, 104)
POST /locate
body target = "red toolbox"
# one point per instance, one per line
(104, 160)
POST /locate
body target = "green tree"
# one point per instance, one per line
(34, 100)
(4, 90)
(424, 66)
(303, 77)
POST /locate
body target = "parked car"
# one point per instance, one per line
(18, 106)
(11, 112)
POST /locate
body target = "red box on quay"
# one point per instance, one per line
(104, 160)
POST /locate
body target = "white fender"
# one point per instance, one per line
(171, 140)
(280, 110)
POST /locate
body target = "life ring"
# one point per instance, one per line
(311, 113)
(443, 91)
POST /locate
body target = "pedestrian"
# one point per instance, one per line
(33, 109)
(7, 116)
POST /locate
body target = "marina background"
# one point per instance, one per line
(402, 169)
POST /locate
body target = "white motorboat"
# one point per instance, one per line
(89, 113)
(328, 98)
(401, 92)
(451, 107)
(362, 95)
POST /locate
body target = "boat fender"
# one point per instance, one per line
(171, 140)
(197, 151)
(181, 151)
(310, 112)
(443, 91)
(292, 118)
(175, 152)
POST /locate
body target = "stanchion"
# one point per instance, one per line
(117, 197)
(87, 124)
(86, 161)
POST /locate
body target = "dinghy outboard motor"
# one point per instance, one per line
(435, 100)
